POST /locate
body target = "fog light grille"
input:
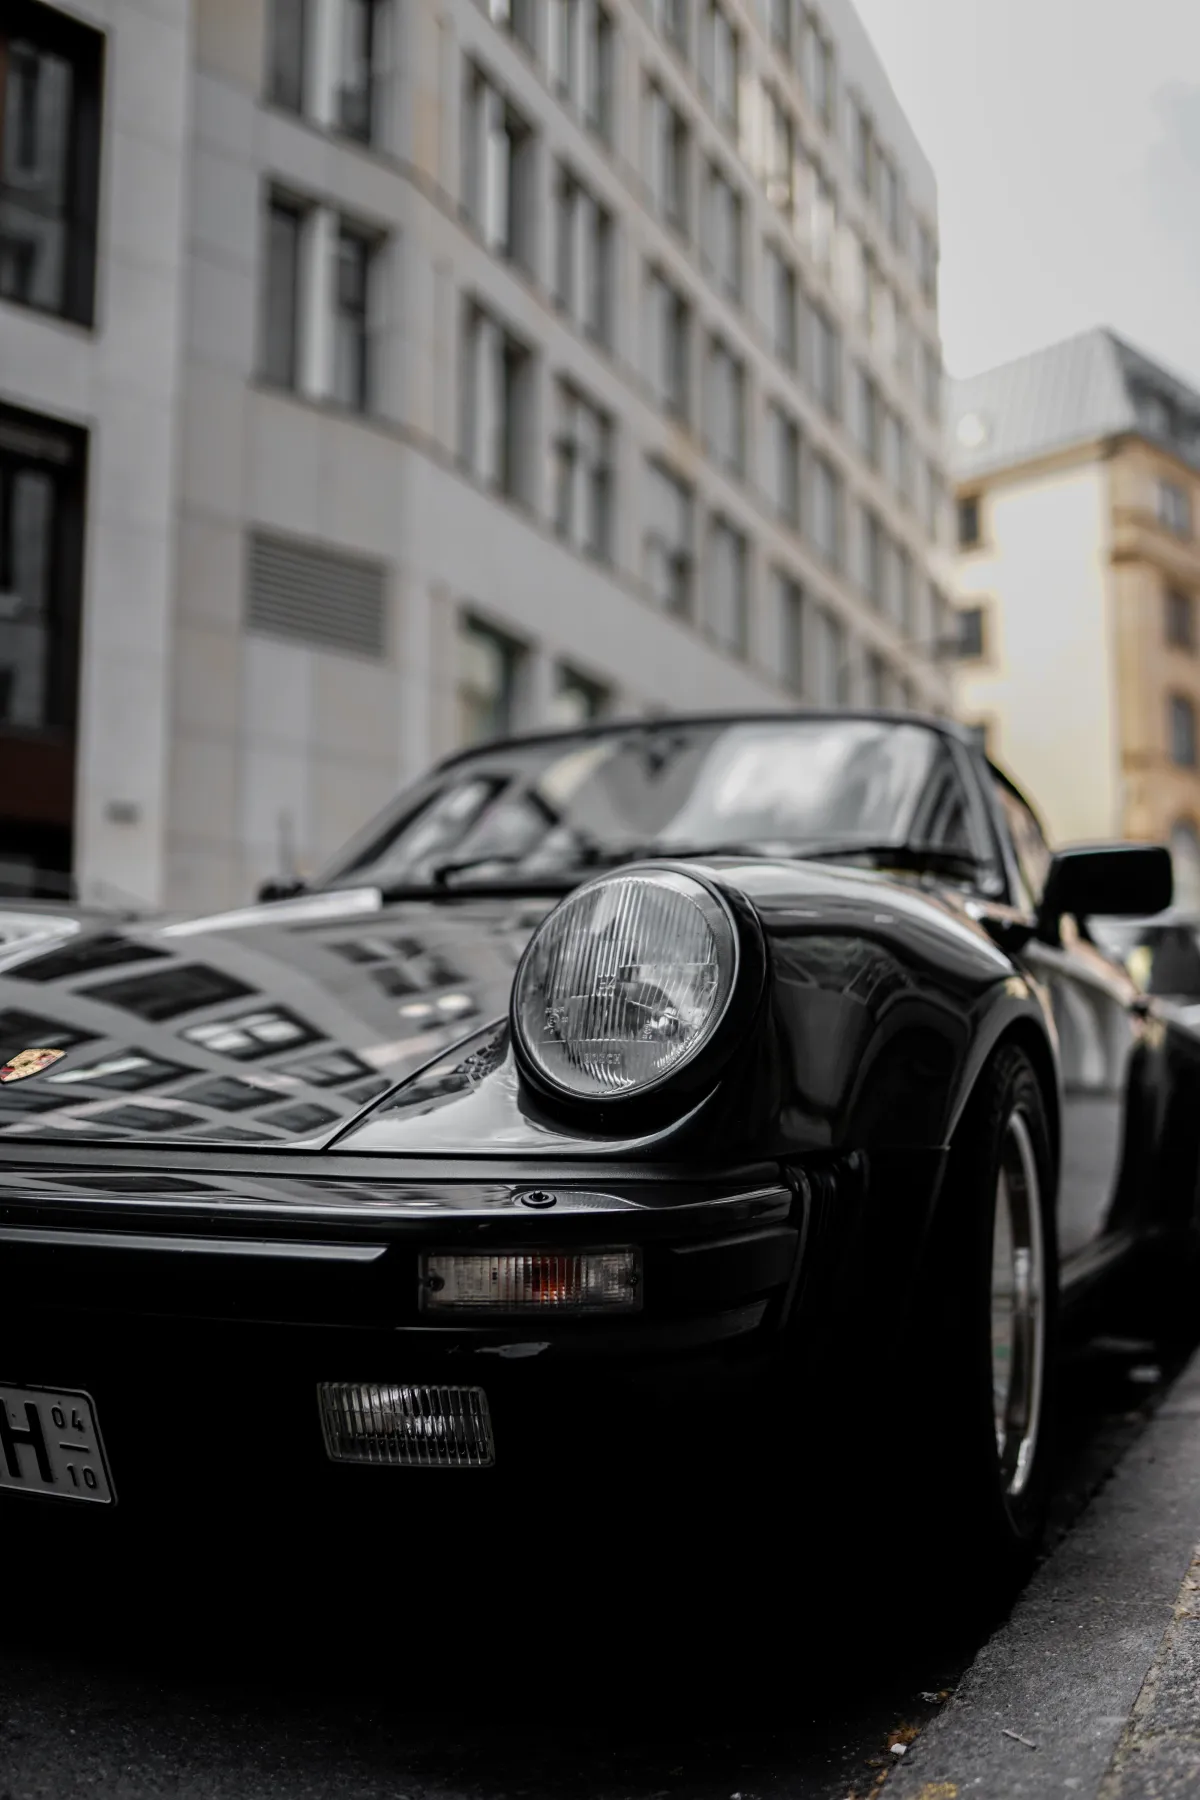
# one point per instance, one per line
(407, 1427)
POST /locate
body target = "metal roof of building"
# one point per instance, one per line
(1090, 387)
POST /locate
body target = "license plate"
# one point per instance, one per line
(50, 1444)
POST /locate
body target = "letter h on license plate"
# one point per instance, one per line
(50, 1444)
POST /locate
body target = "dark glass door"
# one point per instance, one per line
(42, 476)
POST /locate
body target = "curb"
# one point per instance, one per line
(1059, 1702)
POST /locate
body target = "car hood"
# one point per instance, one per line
(273, 1025)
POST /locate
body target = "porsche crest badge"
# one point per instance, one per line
(28, 1062)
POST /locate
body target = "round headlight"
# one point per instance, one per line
(625, 983)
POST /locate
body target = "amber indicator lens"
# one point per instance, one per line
(586, 1281)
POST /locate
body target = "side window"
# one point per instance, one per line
(1029, 846)
(943, 815)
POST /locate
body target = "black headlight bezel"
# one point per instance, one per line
(682, 1087)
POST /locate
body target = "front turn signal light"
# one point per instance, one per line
(575, 1282)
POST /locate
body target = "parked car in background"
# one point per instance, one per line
(1162, 954)
(617, 1098)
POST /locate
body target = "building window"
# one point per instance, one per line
(825, 510)
(583, 474)
(862, 148)
(599, 61)
(871, 556)
(497, 378)
(725, 408)
(50, 98)
(725, 587)
(831, 669)
(1182, 725)
(931, 383)
(666, 159)
(355, 252)
(889, 200)
(905, 596)
(518, 18)
(1180, 620)
(825, 360)
(499, 188)
(927, 261)
(970, 534)
(670, 20)
(783, 457)
(935, 500)
(902, 357)
(890, 447)
(281, 293)
(668, 543)
(667, 336)
(781, 307)
(867, 412)
(563, 46)
(359, 53)
(583, 271)
(970, 632)
(875, 680)
(779, 162)
(489, 672)
(41, 533)
(719, 58)
(287, 46)
(818, 70)
(791, 632)
(580, 58)
(722, 234)
(577, 699)
(1175, 508)
(823, 219)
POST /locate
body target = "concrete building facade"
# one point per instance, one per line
(453, 369)
(1077, 475)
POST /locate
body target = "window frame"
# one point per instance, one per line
(1181, 713)
(1179, 620)
(84, 48)
(287, 380)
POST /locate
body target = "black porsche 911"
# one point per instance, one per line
(618, 1094)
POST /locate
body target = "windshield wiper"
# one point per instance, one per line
(593, 856)
(602, 856)
(897, 856)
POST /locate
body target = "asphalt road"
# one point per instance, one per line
(354, 1670)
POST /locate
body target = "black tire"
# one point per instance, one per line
(979, 1511)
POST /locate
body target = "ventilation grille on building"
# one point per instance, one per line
(319, 597)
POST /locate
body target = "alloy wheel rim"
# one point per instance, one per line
(1017, 1308)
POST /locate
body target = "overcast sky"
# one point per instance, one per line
(1065, 136)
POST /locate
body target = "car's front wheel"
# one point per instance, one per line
(985, 1331)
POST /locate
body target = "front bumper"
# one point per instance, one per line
(201, 1315)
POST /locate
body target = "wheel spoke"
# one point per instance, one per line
(1017, 1320)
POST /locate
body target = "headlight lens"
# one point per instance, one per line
(625, 983)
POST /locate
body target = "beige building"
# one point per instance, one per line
(1077, 473)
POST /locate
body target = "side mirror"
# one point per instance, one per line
(1118, 880)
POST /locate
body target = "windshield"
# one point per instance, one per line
(569, 802)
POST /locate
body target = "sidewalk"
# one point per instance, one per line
(1091, 1691)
